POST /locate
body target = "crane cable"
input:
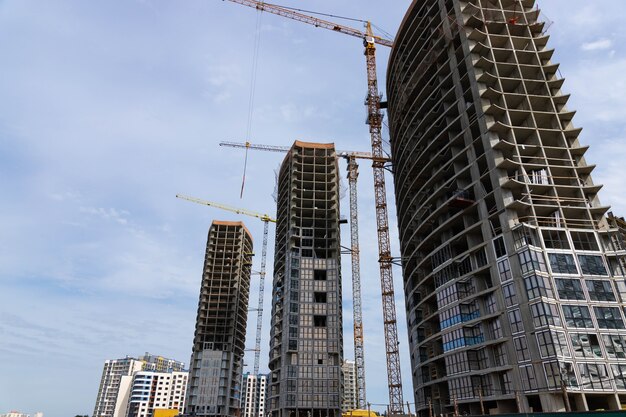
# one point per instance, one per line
(255, 64)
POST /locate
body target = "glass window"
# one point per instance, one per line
(506, 383)
(620, 284)
(562, 263)
(531, 260)
(504, 268)
(567, 370)
(569, 289)
(509, 295)
(618, 267)
(600, 290)
(609, 318)
(500, 355)
(538, 286)
(594, 376)
(524, 236)
(619, 375)
(529, 381)
(586, 346)
(555, 239)
(615, 346)
(496, 329)
(491, 303)
(515, 318)
(592, 265)
(552, 343)
(521, 348)
(545, 314)
(584, 241)
(577, 316)
(553, 374)
(560, 344)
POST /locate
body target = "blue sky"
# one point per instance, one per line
(108, 109)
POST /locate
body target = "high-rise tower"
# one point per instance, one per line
(513, 278)
(219, 341)
(306, 345)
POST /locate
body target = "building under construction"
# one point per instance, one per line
(306, 344)
(219, 341)
(514, 286)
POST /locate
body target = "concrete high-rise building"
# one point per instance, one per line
(219, 341)
(150, 391)
(513, 282)
(349, 386)
(254, 395)
(306, 345)
(117, 374)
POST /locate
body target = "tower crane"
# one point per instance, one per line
(266, 220)
(353, 173)
(374, 120)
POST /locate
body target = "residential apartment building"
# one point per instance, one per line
(349, 400)
(219, 340)
(254, 395)
(513, 278)
(115, 383)
(150, 391)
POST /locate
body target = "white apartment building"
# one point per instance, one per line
(254, 395)
(117, 380)
(107, 403)
(349, 402)
(151, 390)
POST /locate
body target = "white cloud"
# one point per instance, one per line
(119, 216)
(597, 90)
(600, 44)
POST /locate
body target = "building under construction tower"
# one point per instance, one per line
(306, 345)
(219, 341)
(513, 277)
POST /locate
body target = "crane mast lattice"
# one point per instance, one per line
(266, 220)
(374, 119)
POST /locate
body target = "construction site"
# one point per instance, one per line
(513, 271)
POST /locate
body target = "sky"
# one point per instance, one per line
(109, 109)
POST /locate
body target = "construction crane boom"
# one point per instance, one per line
(275, 148)
(262, 217)
(266, 220)
(374, 119)
(304, 18)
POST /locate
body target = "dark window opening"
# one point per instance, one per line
(319, 297)
(319, 321)
(498, 245)
(319, 275)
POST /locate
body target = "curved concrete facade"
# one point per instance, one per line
(513, 281)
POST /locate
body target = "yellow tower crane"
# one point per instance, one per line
(353, 173)
(374, 120)
(266, 220)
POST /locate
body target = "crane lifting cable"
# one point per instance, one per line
(253, 73)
